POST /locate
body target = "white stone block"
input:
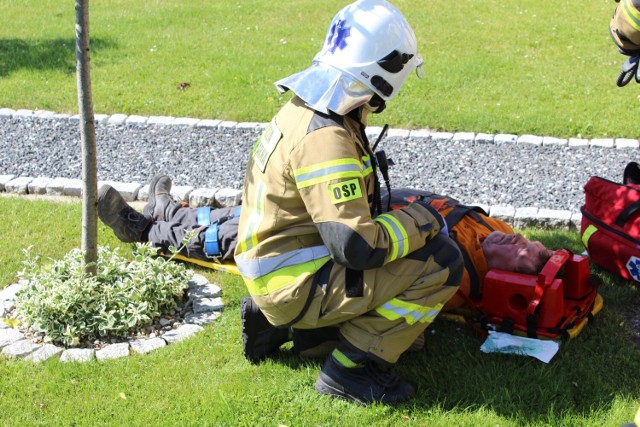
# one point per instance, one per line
(136, 120)
(143, 346)
(203, 318)
(9, 336)
(397, 133)
(202, 197)
(18, 185)
(117, 119)
(441, 136)
(113, 351)
(160, 120)
(463, 137)
(7, 112)
(128, 190)
(578, 142)
(201, 305)
(505, 138)
(576, 220)
(602, 142)
(209, 290)
(10, 292)
(484, 138)
(181, 333)
(552, 218)
(24, 114)
(227, 124)
(525, 217)
(39, 185)
(185, 121)
(420, 133)
(181, 192)
(44, 352)
(503, 213)
(4, 179)
(551, 140)
(228, 197)
(197, 280)
(530, 140)
(56, 186)
(248, 125)
(626, 143)
(77, 355)
(19, 349)
(44, 114)
(208, 123)
(373, 132)
(100, 119)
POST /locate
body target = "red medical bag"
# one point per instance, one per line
(610, 228)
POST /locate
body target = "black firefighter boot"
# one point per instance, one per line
(161, 206)
(349, 374)
(128, 224)
(260, 338)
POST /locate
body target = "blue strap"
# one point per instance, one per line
(211, 244)
(204, 215)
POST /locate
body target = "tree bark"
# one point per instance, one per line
(88, 139)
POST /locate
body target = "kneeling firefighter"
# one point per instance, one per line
(312, 248)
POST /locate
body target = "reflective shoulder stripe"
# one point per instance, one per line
(397, 233)
(367, 166)
(327, 171)
(631, 13)
(412, 313)
(588, 232)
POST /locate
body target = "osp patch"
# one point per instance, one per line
(344, 191)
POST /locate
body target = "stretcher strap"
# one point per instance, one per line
(211, 243)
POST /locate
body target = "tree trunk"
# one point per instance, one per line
(88, 138)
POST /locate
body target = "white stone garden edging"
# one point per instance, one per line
(204, 305)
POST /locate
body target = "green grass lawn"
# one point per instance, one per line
(592, 381)
(522, 67)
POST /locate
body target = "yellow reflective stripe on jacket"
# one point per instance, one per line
(327, 171)
(250, 239)
(367, 165)
(632, 14)
(283, 277)
(412, 313)
(398, 235)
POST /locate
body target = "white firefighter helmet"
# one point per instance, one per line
(369, 49)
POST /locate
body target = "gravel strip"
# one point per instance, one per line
(491, 170)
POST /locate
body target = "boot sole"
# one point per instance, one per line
(324, 387)
(151, 204)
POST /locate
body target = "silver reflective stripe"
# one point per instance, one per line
(255, 268)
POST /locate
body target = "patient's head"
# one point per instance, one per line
(514, 252)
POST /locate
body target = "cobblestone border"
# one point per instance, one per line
(206, 306)
(518, 217)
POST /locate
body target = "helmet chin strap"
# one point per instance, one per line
(376, 104)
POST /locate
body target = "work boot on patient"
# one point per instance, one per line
(161, 206)
(128, 224)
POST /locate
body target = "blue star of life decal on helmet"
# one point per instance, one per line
(337, 38)
(633, 267)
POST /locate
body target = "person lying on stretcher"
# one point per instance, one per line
(486, 243)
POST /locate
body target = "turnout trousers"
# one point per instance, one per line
(382, 311)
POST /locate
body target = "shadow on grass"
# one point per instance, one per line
(55, 54)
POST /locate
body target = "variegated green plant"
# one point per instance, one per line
(69, 306)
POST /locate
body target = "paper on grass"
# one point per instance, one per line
(500, 342)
